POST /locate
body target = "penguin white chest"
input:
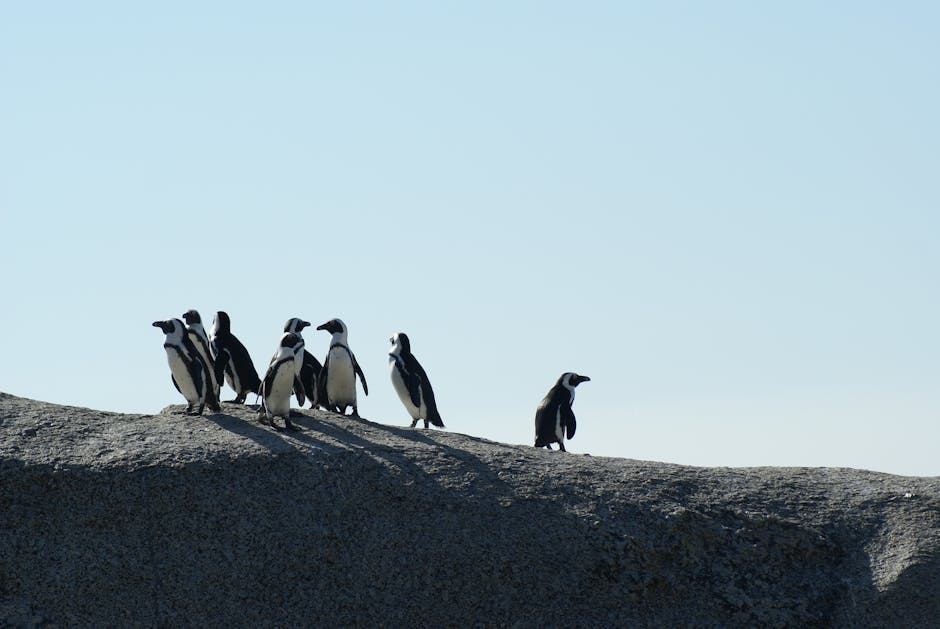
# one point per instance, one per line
(341, 378)
(277, 400)
(402, 390)
(183, 378)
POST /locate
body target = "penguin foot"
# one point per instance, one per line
(294, 413)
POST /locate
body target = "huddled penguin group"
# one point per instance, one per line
(200, 362)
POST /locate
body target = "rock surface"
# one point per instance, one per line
(167, 520)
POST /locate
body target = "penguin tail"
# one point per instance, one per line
(435, 418)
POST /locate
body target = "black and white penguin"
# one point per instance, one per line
(188, 371)
(411, 383)
(232, 359)
(554, 415)
(197, 334)
(194, 323)
(309, 367)
(338, 376)
(278, 383)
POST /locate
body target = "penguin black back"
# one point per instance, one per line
(233, 360)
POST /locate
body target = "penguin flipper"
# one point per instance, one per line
(309, 373)
(268, 383)
(173, 378)
(299, 391)
(411, 373)
(221, 360)
(414, 386)
(322, 397)
(362, 376)
(567, 415)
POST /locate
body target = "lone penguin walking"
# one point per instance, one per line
(554, 416)
(411, 383)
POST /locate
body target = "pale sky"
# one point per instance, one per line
(726, 214)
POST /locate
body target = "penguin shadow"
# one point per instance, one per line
(461, 461)
(268, 437)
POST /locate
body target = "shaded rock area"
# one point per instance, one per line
(166, 520)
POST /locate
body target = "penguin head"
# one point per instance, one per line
(221, 322)
(571, 379)
(289, 339)
(295, 325)
(191, 317)
(170, 327)
(333, 326)
(400, 344)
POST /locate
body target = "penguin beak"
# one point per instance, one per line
(160, 324)
(303, 324)
(581, 379)
(328, 326)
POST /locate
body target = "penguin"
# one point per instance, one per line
(194, 323)
(411, 383)
(338, 377)
(197, 334)
(188, 371)
(305, 388)
(278, 383)
(232, 359)
(554, 415)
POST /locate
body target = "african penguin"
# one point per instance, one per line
(411, 383)
(554, 415)
(309, 367)
(187, 370)
(197, 334)
(194, 323)
(338, 376)
(278, 382)
(232, 359)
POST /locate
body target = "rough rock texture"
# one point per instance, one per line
(143, 520)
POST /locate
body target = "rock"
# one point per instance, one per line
(109, 519)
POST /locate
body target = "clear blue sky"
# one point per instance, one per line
(726, 214)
